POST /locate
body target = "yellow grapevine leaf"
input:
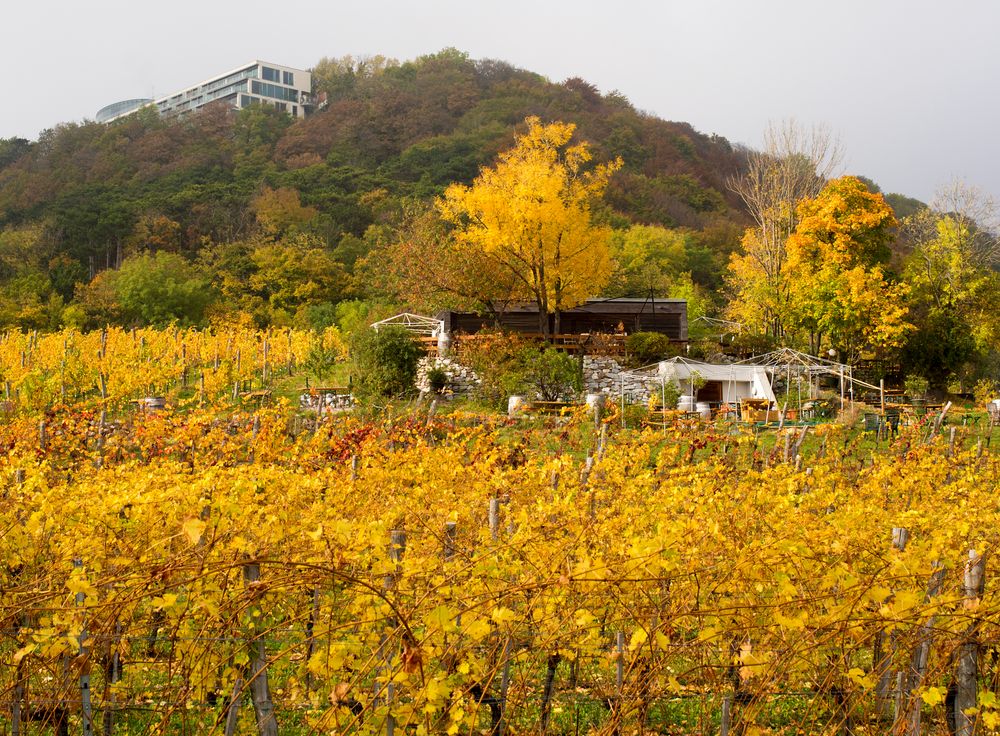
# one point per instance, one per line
(193, 529)
(933, 695)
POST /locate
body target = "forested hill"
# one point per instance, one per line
(87, 195)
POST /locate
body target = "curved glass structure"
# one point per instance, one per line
(119, 108)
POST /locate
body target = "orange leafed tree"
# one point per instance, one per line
(425, 268)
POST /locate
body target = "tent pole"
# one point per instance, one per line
(663, 403)
(841, 388)
(788, 381)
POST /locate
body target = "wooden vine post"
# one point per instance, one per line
(263, 369)
(397, 547)
(86, 708)
(260, 692)
(967, 670)
(908, 711)
(885, 646)
(494, 518)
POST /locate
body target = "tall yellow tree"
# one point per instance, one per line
(838, 290)
(792, 166)
(530, 214)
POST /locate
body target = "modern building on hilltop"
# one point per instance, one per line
(256, 83)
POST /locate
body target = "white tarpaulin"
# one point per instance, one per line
(737, 381)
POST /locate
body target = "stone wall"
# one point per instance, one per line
(462, 380)
(324, 401)
(602, 374)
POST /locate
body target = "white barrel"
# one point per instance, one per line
(686, 403)
(704, 408)
(594, 400)
(514, 404)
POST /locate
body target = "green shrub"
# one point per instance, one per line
(666, 396)
(437, 379)
(916, 387)
(385, 361)
(552, 374)
(754, 344)
(321, 361)
(648, 347)
(494, 356)
(508, 365)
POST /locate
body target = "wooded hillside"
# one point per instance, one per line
(85, 197)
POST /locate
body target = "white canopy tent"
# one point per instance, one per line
(734, 382)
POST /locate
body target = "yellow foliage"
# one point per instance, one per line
(530, 213)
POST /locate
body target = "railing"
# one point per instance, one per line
(592, 344)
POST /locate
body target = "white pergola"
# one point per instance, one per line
(799, 366)
(415, 323)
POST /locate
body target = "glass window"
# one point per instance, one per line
(295, 111)
(288, 78)
(255, 87)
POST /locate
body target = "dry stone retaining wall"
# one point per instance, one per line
(602, 374)
(462, 380)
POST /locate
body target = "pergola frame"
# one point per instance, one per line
(415, 323)
(799, 364)
(791, 364)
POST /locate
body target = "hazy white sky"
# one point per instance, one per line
(909, 85)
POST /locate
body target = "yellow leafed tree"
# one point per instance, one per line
(834, 270)
(530, 213)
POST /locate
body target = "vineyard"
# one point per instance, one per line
(219, 569)
(112, 367)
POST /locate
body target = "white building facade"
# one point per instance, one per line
(256, 83)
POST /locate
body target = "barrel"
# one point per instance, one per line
(514, 405)
(704, 408)
(686, 403)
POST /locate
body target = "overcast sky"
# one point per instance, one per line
(910, 86)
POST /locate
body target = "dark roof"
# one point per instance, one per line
(667, 316)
